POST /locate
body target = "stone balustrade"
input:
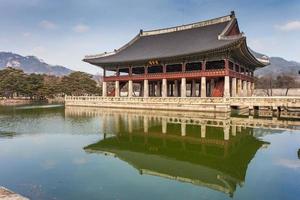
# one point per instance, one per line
(216, 104)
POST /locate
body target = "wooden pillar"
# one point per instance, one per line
(203, 86)
(244, 88)
(104, 89)
(164, 88)
(130, 88)
(233, 87)
(183, 87)
(130, 71)
(117, 88)
(226, 86)
(203, 65)
(146, 88)
(249, 93)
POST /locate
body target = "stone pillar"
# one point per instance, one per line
(117, 123)
(164, 125)
(226, 132)
(203, 131)
(130, 88)
(239, 87)
(249, 93)
(158, 92)
(244, 88)
(233, 87)
(183, 87)
(203, 86)
(233, 130)
(146, 125)
(226, 86)
(164, 88)
(176, 88)
(146, 88)
(183, 129)
(104, 89)
(129, 118)
(117, 88)
(193, 88)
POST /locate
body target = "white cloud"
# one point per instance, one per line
(289, 26)
(79, 161)
(47, 24)
(27, 34)
(291, 164)
(81, 28)
(38, 50)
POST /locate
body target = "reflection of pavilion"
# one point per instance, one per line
(208, 155)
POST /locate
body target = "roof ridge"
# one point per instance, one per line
(204, 23)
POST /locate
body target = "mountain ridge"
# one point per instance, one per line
(31, 64)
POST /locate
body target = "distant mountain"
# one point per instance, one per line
(31, 64)
(279, 66)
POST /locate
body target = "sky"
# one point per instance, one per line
(62, 32)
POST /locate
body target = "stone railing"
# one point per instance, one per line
(188, 100)
(279, 101)
(153, 103)
(215, 104)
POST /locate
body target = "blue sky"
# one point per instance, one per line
(63, 31)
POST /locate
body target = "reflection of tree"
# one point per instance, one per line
(5, 134)
(299, 153)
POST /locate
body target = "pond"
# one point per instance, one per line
(52, 152)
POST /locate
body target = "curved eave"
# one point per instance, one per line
(257, 62)
(220, 49)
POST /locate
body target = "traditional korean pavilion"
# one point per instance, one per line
(204, 59)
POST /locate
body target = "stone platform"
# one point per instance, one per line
(207, 104)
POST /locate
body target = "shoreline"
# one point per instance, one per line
(19, 101)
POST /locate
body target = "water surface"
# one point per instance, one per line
(86, 153)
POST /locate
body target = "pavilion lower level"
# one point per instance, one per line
(217, 78)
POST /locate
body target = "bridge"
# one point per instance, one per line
(207, 104)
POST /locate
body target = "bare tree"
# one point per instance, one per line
(266, 83)
(286, 82)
